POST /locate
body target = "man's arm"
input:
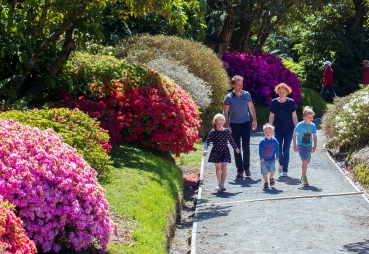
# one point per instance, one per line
(225, 113)
(253, 114)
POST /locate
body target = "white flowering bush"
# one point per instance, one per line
(54, 190)
(195, 86)
(351, 122)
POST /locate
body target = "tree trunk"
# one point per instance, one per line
(227, 29)
(68, 47)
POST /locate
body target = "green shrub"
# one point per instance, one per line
(262, 115)
(312, 99)
(349, 121)
(359, 163)
(199, 59)
(77, 129)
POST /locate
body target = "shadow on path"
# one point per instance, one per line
(358, 247)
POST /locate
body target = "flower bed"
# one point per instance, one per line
(55, 192)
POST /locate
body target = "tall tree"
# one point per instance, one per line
(36, 37)
(247, 24)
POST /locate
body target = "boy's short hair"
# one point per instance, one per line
(308, 110)
(268, 126)
(216, 117)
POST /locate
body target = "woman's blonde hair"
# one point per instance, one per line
(283, 85)
(308, 110)
(216, 117)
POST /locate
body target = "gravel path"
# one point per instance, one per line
(328, 216)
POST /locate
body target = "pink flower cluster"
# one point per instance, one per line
(262, 72)
(55, 192)
(12, 235)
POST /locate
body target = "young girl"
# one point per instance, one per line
(220, 153)
(305, 133)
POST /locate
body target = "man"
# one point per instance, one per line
(238, 103)
(327, 81)
(366, 73)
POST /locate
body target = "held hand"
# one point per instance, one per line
(230, 129)
(262, 160)
(237, 150)
(204, 152)
(254, 125)
(295, 149)
(276, 158)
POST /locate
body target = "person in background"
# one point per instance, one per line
(238, 103)
(283, 117)
(220, 154)
(327, 81)
(366, 73)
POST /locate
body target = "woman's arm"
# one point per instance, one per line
(294, 118)
(271, 118)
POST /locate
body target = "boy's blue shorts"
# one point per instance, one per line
(267, 166)
(305, 152)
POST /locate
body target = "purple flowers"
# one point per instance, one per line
(262, 72)
(55, 192)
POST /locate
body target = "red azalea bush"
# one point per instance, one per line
(136, 104)
(262, 72)
(54, 191)
(12, 235)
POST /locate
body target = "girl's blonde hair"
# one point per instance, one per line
(268, 126)
(216, 117)
(308, 110)
(283, 85)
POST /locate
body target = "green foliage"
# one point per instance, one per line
(296, 68)
(146, 190)
(77, 129)
(334, 32)
(359, 165)
(262, 114)
(35, 38)
(312, 99)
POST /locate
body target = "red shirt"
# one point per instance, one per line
(328, 77)
(366, 76)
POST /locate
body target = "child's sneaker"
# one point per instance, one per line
(304, 180)
(280, 171)
(222, 189)
(266, 185)
(217, 189)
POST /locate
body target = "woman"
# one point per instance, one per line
(283, 117)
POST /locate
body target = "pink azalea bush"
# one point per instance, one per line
(262, 72)
(12, 235)
(55, 192)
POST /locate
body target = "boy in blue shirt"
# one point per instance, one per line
(303, 136)
(269, 153)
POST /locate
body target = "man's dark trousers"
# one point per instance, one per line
(242, 131)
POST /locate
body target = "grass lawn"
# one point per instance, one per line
(143, 196)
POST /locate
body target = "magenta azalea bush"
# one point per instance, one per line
(262, 72)
(54, 190)
(12, 235)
